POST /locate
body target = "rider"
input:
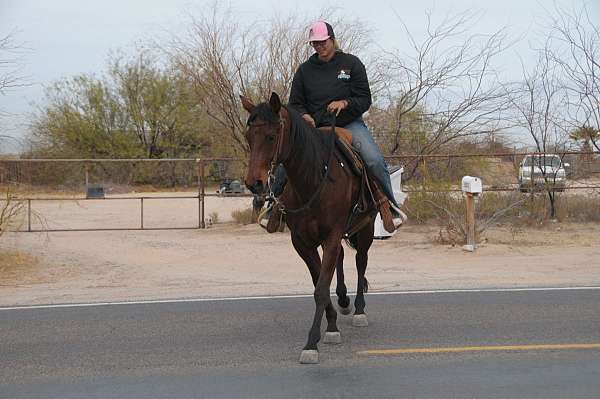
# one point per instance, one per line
(333, 82)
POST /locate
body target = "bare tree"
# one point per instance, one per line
(224, 58)
(575, 49)
(10, 68)
(10, 210)
(445, 88)
(10, 77)
(538, 103)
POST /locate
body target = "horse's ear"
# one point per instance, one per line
(247, 104)
(275, 102)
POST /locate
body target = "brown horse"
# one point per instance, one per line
(318, 201)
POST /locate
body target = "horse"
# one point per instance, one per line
(318, 201)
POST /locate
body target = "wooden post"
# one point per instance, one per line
(142, 213)
(201, 223)
(471, 244)
(532, 181)
(29, 215)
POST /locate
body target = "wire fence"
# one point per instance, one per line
(29, 181)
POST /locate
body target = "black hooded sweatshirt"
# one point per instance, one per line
(317, 83)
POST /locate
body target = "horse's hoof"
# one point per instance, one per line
(332, 337)
(345, 311)
(360, 320)
(309, 356)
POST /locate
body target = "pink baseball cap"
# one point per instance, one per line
(319, 31)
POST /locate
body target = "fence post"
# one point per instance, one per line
(142, 213)
(29, 215)
(200, 168)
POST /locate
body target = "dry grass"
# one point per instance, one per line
(579, 208)
(514, 210)
(243, 216)
(551, 234)
(17, 267)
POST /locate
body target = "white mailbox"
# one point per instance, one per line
(471, 184)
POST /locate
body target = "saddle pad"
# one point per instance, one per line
(343, 134)
(351, 157)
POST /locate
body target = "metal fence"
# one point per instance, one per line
(82, 175)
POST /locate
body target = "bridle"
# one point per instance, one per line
(278, 144)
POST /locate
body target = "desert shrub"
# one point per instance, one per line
(448, 210)
(71, 175)
(11, 211)
(214, 217)
(243, 216)
(423, 206)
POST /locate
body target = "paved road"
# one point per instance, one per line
(250, 349)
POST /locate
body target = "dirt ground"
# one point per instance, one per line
(231, 260)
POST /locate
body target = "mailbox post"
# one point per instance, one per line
(472, 187)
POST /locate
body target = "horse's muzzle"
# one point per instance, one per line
(258, 188)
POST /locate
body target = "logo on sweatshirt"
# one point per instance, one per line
(343, 75)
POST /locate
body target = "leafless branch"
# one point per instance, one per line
(447, 81)
(576, 51)
(11, 75)
(224, 58)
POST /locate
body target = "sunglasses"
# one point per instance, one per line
(318, 43)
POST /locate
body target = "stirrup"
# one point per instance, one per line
(264, 215)
(271, 219)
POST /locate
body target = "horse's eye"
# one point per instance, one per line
(271, 138)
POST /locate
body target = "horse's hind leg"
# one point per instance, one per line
(365, 239)
(341, 290)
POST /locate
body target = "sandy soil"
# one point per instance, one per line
(233, 260)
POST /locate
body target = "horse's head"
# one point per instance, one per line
(264, 136)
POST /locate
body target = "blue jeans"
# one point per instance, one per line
(363, 142)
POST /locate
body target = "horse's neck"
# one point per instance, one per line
(301, 173)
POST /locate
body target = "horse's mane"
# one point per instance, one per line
(311, 145)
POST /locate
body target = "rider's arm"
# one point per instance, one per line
(360, 92)
(297, 99)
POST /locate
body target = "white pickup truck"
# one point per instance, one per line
(538, 171)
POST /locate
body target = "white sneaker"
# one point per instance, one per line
(398, 217)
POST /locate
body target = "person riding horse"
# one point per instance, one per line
(332, 87)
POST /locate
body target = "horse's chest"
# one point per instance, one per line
(311, 230)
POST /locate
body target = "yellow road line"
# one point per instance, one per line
(479, 349)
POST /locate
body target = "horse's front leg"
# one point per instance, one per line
(331, 250)
(310, 255)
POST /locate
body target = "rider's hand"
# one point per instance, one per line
(309, 119)
(337, 106)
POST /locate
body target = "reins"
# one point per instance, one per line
(317, 192)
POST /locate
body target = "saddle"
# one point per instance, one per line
(370, 192)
